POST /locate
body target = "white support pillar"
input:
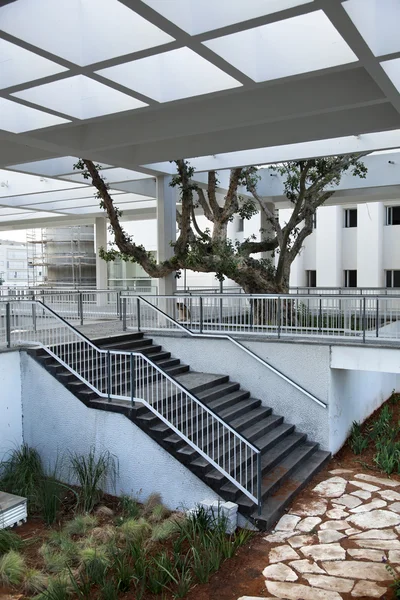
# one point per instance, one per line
(166, 230)
(101, 242)
(370, 245)
(329, 247)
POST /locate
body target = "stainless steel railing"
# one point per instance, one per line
(133, 377)
(361, 318)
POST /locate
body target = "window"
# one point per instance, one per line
(350, 279)
(393, 279)
(393, 215)
(240, 226)
(311, 277)
(350, 217)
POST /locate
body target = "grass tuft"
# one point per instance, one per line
(80, 525)
(12, 568)
(92, 473)
(9, 541)
(35, 581)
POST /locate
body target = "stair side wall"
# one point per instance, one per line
(10, 402)
(306, 365)
(55, 422)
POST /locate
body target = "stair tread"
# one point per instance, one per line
(222, 389)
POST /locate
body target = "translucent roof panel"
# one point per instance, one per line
(18, 65)
(14, 184)
(297, 45)
(17, 118)
(179, 73)
(51, 166)
(392, 68)
(378, 22)
(113, 175)
(81, 31)
(196, 17)
(80, 97)
(30, 199)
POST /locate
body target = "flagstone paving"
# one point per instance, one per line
(336, 545)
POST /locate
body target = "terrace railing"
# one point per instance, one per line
(361, 318)
(132, 377)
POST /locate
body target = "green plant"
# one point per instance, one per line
(92, 473)
(164, 530)
(34, 581)
(158, 513)
(396, 580)
(49, 492)
(202, 565)
(80, 525)
(381, 426)
(9, 541)
(21, 473)
(122, 569)
(130, 507)
(159, 572)
(109, 590)
(358, 442)
(96, 568)
(134, 530)
(387, 456)
(12, 567)
(57, 589)
(59, 553)
(81, 584)
(152, 501)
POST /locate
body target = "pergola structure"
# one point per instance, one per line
(134, 84)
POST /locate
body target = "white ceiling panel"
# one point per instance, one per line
(114, 175)
(52, 167)
(80, 97)
(179, 73)
(18, 65)
(298, 45)
(197, 17)
(392, 68)
(18, 118)
(378, 21)
(81, 31)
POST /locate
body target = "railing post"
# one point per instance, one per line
(259, 498)
(377, 317)
(8, 324)
(363, 317)
(201, 314)
(123, 300)
(119, 306)
(279, 317)
(132, 378)
(138, 313)
(109, 375)
(34, 317)
(80, 307)
(320, 316)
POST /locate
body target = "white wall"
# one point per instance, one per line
(55, 422)
(369, 245)
(10, 402)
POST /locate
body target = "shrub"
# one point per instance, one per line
(12, 567)
(21, 473)
(109, 590)
(49, 492)
(135, 530)
(159, 513)
(9, 541)
(57, 589)
(358, 442)
(92, 474)
(162, 531)
(388, 456)
(152, 501)
(130, 507)
(34, 581)
(80, 525)
(381, 426)
(122, 569)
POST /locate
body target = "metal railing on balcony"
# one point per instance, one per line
(361, 318)
(133, 377)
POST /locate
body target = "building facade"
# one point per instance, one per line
(13, 264)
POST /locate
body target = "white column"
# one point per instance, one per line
(329, 247)
(370, 245)
(101, 242)
(166, 230)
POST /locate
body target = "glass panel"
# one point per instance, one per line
(388, 279)
(395, 215)
(396, 279)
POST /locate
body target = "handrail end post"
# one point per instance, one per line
(123, 313)
(8, 324)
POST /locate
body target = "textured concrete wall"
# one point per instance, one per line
(354, 396)
(10, 402)
(306, 364)
(56, 422)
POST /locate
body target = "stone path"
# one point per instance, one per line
(335, 545)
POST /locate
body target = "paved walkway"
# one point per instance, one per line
(334, 546)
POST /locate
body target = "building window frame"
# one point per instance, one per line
(350, 218)
(392, 278)
(311, 278)
(392, 215)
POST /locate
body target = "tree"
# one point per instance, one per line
(307, 185)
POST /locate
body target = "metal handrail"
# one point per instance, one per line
(67, 346)
(239, 345)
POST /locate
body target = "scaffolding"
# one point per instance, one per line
(62, 257)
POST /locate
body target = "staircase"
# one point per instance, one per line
(288, 459)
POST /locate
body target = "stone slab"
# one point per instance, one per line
(377, 480)
(281, 553)
(375, 534)
(375, 519)
(340, 471)
(379, 544)
(306, 566)
(294, 591)
(331, 488)
(338, 525)
(311, 508)
(308, 524)
(279, 572)
(368, 589)
(301, 540)
(366, 554)
(390, 495)
(357, 569)
(327, 536)
(335, 584)
(279, 537)
(324, 552)
(368, 487)
(287, 523)
(348, 500)
(373, 505)
(395, 507)
(362, 494)
(337, 513)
